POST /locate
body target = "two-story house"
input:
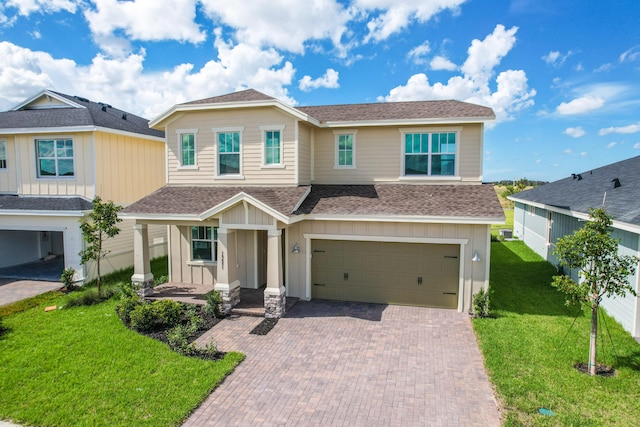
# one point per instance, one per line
(379, 203)
(57, 152)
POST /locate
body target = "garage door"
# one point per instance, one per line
(382, 272)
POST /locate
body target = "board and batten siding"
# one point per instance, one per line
(379, 154)
(474, 273)
(9, 175)
(305, 133)
(81, 184)
(127, 167)
(181, 270)
(252, 168)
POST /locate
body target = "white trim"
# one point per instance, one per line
(429, 177)
(77, 129)
(55, 139)
(43, 213)
(181, 165)
(336, 154)
(302, 199)
(242, 196)
(404, 218)
(216, 145)
(312, 143)
(272, 128)
(50, 94)
(457, 130)
(6, 155)
(408, 122)
(296, 151)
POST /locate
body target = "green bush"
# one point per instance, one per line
(481, 303)
(194, 320)
(160, 280)
(90, 296)
(168, 311)
(67, 278)
(178, 338)
(214, 304)
(126, 306)
(143, 317)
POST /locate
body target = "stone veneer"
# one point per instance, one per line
(274, 306)
(230, 299)
(143, 289)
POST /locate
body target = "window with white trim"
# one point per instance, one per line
(54, 158)
(204, 243)
(345, 153)
(430, 154)
(229, 144)
(3, 154)
(272, 146)
(187, 147)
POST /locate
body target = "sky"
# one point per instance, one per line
(563, 77)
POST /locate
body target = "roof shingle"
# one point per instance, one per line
(21, 203)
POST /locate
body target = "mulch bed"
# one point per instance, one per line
(264, 327)
(601, 370)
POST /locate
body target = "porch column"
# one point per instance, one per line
(227, 282)
(274, 294)
(142, 278)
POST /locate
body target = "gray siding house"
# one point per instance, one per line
(544, 214)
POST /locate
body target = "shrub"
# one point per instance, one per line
(194, 320)
(169, 312)
(126, 306)
(143, 317)
(214, 304)
(178, 338)
(67, 278)
(481, 303)
(160, 280)
(90, 296)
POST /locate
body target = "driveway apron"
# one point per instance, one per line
(12, 290)
(352, 364)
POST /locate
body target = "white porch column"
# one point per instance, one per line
(227, 282)
(274, 293)
(142, 278)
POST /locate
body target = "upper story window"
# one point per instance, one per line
(272, 145)
(204, 243)
(187, 143)
(430, 154)
(229, 151)
(3, 154)
(55, 158)
(345, 152)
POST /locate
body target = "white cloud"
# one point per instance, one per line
(27, 7)
(568, 151)
(511, 95)
(620, 129)
(441, 63)
(123, 83)
(612, 144)
(575, 132)
(147, 20)
(584, 154)
(556, 59)
(630, 55)
(581, 105)
(636, 145)
(328, 80)
(418, 54)
(283, 24)
(387, 17)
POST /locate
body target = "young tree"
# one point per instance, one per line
(602, 270)
(100, 227)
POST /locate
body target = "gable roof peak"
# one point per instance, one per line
(246, 95)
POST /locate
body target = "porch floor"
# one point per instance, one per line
(251, 300)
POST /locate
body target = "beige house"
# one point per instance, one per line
(57, 152)
(380, 203)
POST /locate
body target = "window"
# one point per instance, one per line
(430, 153)
(3, 155)
(187, 144)
(55, 157)
(345, 150)
(229, 153)
(204, 243)
(272, 145)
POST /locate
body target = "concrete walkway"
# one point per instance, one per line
(350, 364)
(12, 290)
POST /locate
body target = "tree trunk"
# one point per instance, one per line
(593, 339)
(98, 266)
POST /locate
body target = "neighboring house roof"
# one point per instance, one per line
(20, 203)
(464, 202)
(414, 112)
(73, 112)
(441, 201)
(585, 190)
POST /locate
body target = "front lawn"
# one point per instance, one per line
(530, 349)
(80, 366)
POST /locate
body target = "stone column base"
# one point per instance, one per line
(275, 303)
(230, 295)
(143, 288)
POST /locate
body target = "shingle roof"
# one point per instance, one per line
(587, 190)
(454, 201)
(398, 111)
(21, 203)
(241, 96)
(181, 200)
(92, 115)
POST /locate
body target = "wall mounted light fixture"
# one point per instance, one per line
(476, 257)
(296, 249)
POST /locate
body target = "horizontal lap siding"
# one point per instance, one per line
(535, 231)
(251, 147)
(8, 176)
(304, 154)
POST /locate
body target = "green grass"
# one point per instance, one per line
(530, 348)
(495, 228)
(81, 366)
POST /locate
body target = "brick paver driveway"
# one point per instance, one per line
(350, 364)
(12, 290)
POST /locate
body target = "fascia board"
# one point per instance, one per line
(7, 212)
(405, 218)
(406, 122)
(161, 217)
(76, 129)
(47, 93)
(242, 196)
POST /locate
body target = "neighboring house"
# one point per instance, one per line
(379, 203)
(57, 152)
(544, 214)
